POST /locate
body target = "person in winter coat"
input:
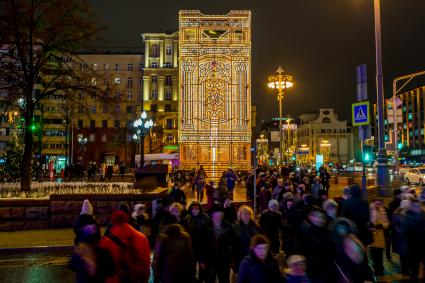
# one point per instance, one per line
(358, 211)
(316, 187)
(218, 239)
(177, 195)
(86, 228)
(378, 223)
(325, 178)
(350, 263)
(231, 179)
(230, 215)
(314, 244)
(194, 223)
(414, 234)
(245, 228)
(139, 218)
(259, 266)
(129, 251)
(270, 223)
(399, 246)
(331, 209)
(85, 260)
(264, 197)
(173, 259)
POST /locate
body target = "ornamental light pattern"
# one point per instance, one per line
(215, 91)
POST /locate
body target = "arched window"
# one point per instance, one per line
(326, 120)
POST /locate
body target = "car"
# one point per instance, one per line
(355, 167)
(415, 175)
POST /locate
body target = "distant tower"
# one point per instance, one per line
(215, 91)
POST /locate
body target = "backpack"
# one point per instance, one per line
(131, 267)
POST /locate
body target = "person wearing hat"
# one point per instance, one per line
(139, 218)
(86, 228)
(397, 238)
(259, 266)
(215, 253)
(270, 223)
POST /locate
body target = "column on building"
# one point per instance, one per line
(161, 53)
(161, 88)
(147, 46)
(175, 88)
(175, 55)
(146, 87)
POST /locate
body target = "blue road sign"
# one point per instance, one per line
(360, 113)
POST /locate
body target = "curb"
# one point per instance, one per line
(35, 249)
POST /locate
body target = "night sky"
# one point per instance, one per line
(319, 42)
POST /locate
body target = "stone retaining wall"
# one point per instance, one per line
(61, 211)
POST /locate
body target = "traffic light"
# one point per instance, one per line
(366, 157)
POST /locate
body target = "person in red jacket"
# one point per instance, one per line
(128, 249)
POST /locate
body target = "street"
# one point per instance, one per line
(35, 267)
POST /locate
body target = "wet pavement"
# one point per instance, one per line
(36, 267)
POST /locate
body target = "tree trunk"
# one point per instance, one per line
(26, 159)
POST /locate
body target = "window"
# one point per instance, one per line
(169, 137)
(117, 81)
(93, 95)
(130, 125)
(167, 107)
(92, 137)
(104, 138)
(116, 124)
(130, 82)
(168, 50)
(130, 67)
(168, 94)
(168, 81)
(129, 95)
(129, 138)
(168, 65)
(141, 82)
(106, 67)
(154, 50)
(154, 79)
(154, 64)
(104, 124)
(94, 66)
(117, 108)
(80, 124)
(80, 109)
(92, 124)
(117, 67)
(93, 109)
(169, 124)
(80, 95)
(130, 109)
(154, 95)
(105, 108)
(154, 107)
(326, 120)
(142, 66)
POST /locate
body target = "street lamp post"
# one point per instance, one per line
(382, 159)
(326, 145)
(142, 126)
(281, 82)
(82, 140)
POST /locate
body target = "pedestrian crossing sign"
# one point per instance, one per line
(361, 113)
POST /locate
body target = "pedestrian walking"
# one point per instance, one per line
(378, 223)
(271, 224)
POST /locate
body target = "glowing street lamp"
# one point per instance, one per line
(142, 126)
(280, 82)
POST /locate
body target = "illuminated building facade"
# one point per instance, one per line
(215, 91)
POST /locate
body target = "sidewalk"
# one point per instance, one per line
(37, 239)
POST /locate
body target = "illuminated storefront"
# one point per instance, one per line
(215, 91)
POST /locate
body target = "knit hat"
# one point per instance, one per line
(288, 196)
(273, 202)
(295, 259)
(86, 208)
(215, 208)
(329, 202)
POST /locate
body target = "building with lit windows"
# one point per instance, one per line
(321, 133)
(102, 123)
(161, 88)
(411, 137)
(215, 91)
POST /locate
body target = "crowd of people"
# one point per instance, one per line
(299, 234)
